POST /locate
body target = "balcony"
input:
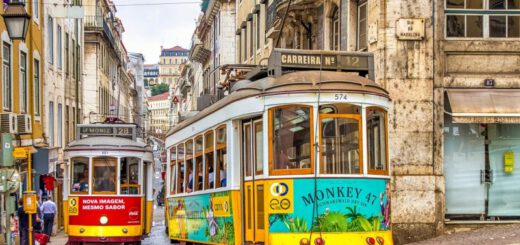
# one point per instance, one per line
(97, 23)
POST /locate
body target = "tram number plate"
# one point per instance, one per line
(340, 97)
(73, 206)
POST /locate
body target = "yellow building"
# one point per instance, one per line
(170, 63)
(21, 94)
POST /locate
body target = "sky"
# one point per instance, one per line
(147, 27)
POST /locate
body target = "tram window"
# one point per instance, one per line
(198, 164)
(173, 169)
(180, 168)
(377, 144)
(105, 175)
(247, 149)
(340, 144)
(340, 108)
(189, 182)
(129, 175)
(221, 168)
(80, 175)
(208, 159)
(259, 148)
(290, 133)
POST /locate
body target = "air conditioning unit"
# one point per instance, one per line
(8, 123)
(24, 122)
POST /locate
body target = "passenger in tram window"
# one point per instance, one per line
(106, 183)
(190, 179)
(199, 187)
(83, 182)
(211, 177)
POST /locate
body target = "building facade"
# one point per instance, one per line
(170, 62)
(451, 70)
(151, 75)
(105, 63)
(159, 107)
(138, 69)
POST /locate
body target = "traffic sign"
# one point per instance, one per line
(175, 99)
(20, 153)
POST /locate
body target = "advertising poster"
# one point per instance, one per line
(205, 218)
(335, 205)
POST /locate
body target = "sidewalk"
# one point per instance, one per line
(499, 235)
(59, 239)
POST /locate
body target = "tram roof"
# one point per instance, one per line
(294, 82)
(103, 142)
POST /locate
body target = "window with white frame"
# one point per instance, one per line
(362, 25)
(334, 36)
(482, 18)
(37, 87)
(23, 83)
(6, 77)
(50, 36)
(36, 9)
(60, 60)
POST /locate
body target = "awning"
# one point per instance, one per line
(484, 105)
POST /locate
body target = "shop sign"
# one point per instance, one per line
(410, 29)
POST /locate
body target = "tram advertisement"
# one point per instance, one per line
(118, 210)
(205, 218)
(338, 205)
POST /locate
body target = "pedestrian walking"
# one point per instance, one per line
(13, 227)
(23, 221)
(48, 209)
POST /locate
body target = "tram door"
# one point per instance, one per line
(252, 164)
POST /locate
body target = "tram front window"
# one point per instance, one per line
(80, 175)
(291, 134)
(129, 175)
(221, 158)
(340, 144)
(376, 140)
(105, 175)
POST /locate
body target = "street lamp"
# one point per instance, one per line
(16, 20)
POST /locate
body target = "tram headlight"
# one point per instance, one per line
(125, 230)
(103, 220)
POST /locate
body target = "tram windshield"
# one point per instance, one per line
(129, 175)
(291, 139)
(80, 175)
(105, 175)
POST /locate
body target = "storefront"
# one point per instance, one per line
(481, 144)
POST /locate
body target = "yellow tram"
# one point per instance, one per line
(107, 187)
(298, 156)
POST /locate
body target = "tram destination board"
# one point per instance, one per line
(123, 131)
(288, 59)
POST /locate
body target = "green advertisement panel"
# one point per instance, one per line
(204, 218)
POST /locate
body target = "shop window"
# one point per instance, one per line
(209, 160)
(104, 175)
(80, 175)
(180, 168)
(129, 176)
(496, 19)
(290, 133)
(377, 141)
(221, 164)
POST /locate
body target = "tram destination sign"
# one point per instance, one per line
(90, 130)
(289, 59)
